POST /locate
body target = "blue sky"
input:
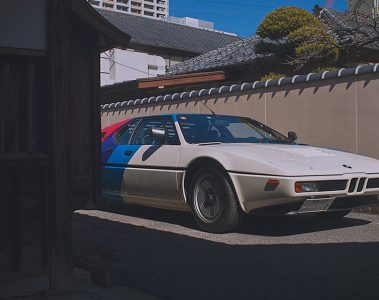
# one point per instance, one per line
(239, 16)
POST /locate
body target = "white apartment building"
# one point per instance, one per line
(156, 45)
(156, 9)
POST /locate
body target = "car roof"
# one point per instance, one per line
(107, 131)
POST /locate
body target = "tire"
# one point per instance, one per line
(214, 204)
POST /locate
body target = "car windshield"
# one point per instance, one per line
(198, 129)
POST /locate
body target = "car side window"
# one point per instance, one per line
(143, 136)
(124, 134)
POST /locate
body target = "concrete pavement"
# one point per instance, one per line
(164, 254)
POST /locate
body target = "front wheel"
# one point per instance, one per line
(214, 205)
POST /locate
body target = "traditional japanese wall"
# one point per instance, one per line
(333, 109)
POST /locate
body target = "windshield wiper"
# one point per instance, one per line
(209, 143)
(271, 141)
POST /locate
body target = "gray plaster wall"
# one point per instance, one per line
(339, 112)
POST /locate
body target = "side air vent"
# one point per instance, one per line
(332, 185)
(352, 185)
(361, 184)
(373, 183)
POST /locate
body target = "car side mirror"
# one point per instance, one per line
(292, 136)
(159, 134)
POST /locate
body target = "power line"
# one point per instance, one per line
(219, 11)
(138, 70)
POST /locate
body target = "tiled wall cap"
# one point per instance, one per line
(159, 98)
(213, 91)
(371, 68)
(202, 92)
(175, 96)
(223, 89)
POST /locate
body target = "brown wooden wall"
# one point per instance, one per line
(49, 151)
(23, 174)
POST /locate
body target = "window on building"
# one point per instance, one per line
(107, 5)
(122, 8)
(94, 2)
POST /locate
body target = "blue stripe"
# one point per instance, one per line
(113, 175)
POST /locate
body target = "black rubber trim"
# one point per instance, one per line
(145, 167)
(354, 202)
(281, 176)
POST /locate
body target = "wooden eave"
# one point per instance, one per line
(180, 79)
(370, 54)
(160, 85)
(111, 36)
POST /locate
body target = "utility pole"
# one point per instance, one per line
(375, 7)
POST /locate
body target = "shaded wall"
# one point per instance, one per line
(339, 112)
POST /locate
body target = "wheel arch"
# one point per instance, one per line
(202, 162)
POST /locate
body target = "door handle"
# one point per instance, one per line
(128, 153)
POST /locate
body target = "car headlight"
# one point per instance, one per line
(306, 187)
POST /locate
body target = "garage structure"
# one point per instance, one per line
(49, 135)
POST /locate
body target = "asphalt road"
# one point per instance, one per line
(163, 254)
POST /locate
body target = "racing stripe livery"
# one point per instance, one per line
(279, 176)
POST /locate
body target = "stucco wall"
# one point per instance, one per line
(339, 112)
(119, 65)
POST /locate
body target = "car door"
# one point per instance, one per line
(115, 160)
(151, 169)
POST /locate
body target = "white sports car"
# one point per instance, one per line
(222, 167)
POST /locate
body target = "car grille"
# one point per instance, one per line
(373, 183)
(357, 185)
(352, 185)
(332, 185)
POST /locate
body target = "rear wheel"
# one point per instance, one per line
(214, 205)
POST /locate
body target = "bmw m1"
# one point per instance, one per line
(223, 167)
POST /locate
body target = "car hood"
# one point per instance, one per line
(294, 160)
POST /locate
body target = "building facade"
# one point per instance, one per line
(192, 22)
(118, 65)
(155, 46)
(156, 9)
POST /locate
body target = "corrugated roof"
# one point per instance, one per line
(240, 52)
(163, 34)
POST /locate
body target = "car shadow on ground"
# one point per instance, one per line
(261, 225)
(174, 266)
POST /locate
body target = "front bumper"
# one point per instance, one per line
(252, 194)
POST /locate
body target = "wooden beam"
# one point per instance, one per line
(112, 35)
(181, 79)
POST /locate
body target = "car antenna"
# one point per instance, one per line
(213, 113)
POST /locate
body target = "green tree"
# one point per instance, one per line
(284, 20)
(314, 48)
(297, 40)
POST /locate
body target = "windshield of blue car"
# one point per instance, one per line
(199, 129)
